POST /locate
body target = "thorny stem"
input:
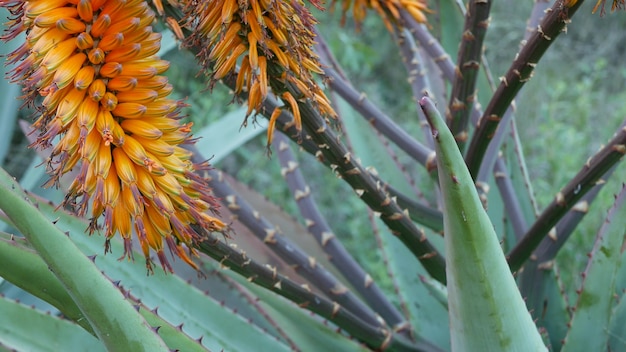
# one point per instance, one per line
(468, 64)
(418, 79)
(518, 74)
(290, 252)
(418, 212)
(532, 279)
(380, 121)
(371, 192)
(512, 206)
(263, 276)
(337, 254)
(254, 302)
(435, 51)
(584, 181)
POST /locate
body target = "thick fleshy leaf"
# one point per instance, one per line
(122, 328)
(487, 311)
(26, 329)
(220, 327)
(590, 323)
(21, 262)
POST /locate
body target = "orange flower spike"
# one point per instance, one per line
(109, 101)
(93, 62)
(129, 110)
(160, 223)
(255, 26)
(122, 83)
(230, 40)
(102, 166)
(277, 33)
(242, 76)
(110, 42)
(96, 56)
(111, 198)
(228, 65)
(134, 150)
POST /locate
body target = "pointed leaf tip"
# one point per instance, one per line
(486, 309)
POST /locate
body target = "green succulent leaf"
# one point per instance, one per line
(25, 268)
(487, 311)
(177, 301)
(26, 329)
(596, 298)
(120, 328)
(617, 329)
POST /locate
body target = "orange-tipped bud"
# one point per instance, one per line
(71, 25)
(130, 110)
(85, 10)
(109, 101)
(84, 77)
(122, 83)
(100, 25)
(110, 42)
(68, 70)
(139, 127)
(84, 41)
(58, 54)
(96, 56)
(140, 95)
(50, 17)
(97, 89)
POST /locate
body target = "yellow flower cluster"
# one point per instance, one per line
(94, 64)
(389, 10)
(271, 40)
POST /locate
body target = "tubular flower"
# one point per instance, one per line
(616, 5)
(94, 64)
(271, 40)
(389, 10)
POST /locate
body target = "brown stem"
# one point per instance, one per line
(518, 74)
(584, 181)
(466, 73)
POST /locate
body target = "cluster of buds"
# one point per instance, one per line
(106, 116)
(272, 40)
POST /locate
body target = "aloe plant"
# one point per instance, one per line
(459, 255)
